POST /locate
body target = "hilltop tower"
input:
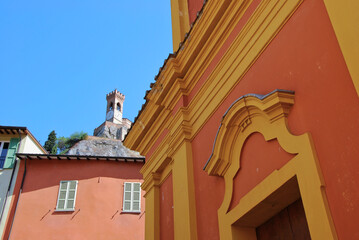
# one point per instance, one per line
(115, 126)
(114, 110)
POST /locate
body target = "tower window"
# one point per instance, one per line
(111, 106)
(118, 107)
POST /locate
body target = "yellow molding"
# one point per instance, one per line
(178, 161)
(275, 105)
(167, 171)
(157, 126)
(176, 68)
(150, 180)
(180, 129)
(142, 123)
(157, 157)
(259, 30)
(344, 17)
(180, 132)
(180, 21)
(155, 167)
(220, 33)
(268, 116)
(204, 42)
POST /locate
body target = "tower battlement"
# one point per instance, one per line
(114, 94)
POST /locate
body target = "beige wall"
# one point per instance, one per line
(28, 145)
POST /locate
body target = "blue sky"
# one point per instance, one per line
(59, 59)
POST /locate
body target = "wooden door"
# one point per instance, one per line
(289, 224)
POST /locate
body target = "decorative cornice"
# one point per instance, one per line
(273, 106)
(180, 130)
(150, 181)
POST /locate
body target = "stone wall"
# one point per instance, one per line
(97, 146)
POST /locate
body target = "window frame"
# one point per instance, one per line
(2, 143)
(131, 200)
(65, 209)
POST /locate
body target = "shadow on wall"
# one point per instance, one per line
(42, 174)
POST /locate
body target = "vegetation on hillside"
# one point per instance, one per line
(51, 143)
(62, 145)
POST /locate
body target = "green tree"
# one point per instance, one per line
(65, 143)
(50, 144)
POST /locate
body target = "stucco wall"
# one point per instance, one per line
(98, 210)
(304, 57)
(166, 209)
(27, 145)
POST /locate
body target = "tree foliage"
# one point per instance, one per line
(50, 144)
(65, 143)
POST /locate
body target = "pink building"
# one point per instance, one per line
(79, 197)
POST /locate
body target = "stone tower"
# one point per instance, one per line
(115, 126)
(114, 110)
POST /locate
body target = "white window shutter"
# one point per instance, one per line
(136, 196)
(132, 197)
(67, 196)
(127, 197)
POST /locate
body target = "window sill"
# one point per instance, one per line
(65, 210)
(134, 212)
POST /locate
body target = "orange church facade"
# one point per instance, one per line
(254, 121)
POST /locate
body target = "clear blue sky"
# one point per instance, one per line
(59, 59)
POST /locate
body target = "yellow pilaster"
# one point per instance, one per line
(345, 18)
(152, 222)
(180, 21)
(183, 194)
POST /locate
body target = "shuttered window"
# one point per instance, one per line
(67, 196)
(4, 146)
(132, 197)
(10, 153)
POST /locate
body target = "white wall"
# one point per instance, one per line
(28, 145)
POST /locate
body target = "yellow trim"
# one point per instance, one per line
(344, 17)
(179, 77)
(268, 117)
(263, 25)
(180, 21)
(174, 155)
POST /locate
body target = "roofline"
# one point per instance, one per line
(34, 156)
(12, 129)
(20, 130)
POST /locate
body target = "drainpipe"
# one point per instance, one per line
(12, 176)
